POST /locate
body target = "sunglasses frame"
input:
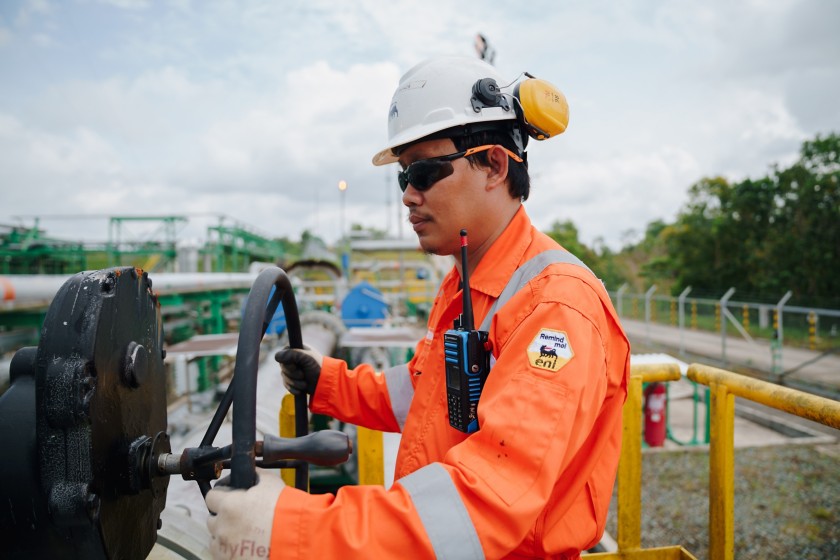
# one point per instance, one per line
(424, 183)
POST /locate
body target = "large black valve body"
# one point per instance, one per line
(82, 424)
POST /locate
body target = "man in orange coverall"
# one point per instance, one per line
(535, 480)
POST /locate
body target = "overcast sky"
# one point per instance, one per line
(255, 110)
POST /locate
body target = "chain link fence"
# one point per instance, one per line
(779, 323)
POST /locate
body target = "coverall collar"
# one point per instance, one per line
(504, 256)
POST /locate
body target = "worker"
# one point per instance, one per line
(536, 478)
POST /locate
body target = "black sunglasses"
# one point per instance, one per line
(424, 173)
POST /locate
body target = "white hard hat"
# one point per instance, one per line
(442, 93)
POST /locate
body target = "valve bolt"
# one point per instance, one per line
(136, 368)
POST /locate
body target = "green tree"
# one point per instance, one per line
(602, 263)
(566, 234)
(763, 236)
(807, 213)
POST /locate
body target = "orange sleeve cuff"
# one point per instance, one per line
(331, 368)
(286, 525)
(288, 539)
(358, 522)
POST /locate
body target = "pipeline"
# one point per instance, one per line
(39, 289)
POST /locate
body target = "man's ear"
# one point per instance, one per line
(497, 175)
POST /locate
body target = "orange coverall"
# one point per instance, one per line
(535, 480)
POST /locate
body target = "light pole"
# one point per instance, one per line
(342, 187)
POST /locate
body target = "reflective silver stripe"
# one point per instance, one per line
(525, 274)
(400, 390)
(444, 516)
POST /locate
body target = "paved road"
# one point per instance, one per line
(799, 366)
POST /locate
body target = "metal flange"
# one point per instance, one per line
(99, 423)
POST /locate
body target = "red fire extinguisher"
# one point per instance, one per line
(655, 414)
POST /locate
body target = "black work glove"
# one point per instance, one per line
(300, 369)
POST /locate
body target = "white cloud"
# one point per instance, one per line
(80, 152)
(605, 197)
(257, 109)
(48, 174)
(31, 9)
(745, 131)
(43, 40)
(127, 4)
(312, 123)
(762, 117)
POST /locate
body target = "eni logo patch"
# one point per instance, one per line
(550, 350)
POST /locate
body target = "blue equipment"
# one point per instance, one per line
(364, 306)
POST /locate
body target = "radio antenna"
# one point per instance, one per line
(465, 275)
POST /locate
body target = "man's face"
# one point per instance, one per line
(455, 202)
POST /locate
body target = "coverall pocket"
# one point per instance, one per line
(519, 426)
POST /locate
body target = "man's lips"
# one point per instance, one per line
(418, 221)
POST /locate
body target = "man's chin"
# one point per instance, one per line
(429, 249)
(434, 245)
(428, 246)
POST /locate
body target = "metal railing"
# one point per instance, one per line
(810, 327)
(777, 323)
(629, 537)
(724, 387)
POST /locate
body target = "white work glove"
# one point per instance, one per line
(300, 369)
(242, 525)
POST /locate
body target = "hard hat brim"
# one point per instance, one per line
(432, 132)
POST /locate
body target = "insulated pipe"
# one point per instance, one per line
(322, 331)
(30, 288)
(172, 283)
(319, 338)
(41, 288)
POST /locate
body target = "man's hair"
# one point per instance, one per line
(520, 181)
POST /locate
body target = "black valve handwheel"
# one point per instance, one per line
(271, 287)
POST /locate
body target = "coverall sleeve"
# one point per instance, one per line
(487, 494)
(378, 400)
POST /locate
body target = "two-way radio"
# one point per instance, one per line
(467, 356)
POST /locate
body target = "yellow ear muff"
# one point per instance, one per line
(544, 108)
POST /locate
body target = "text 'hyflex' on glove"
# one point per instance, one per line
(241, 526)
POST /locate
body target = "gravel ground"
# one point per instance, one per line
(787, 501)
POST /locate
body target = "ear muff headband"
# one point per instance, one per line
(544, 108)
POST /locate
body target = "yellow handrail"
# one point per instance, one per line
(370, 456)
(805, 405)
(630, 464)
(286, 421)
(629, 537)
(724, 386)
